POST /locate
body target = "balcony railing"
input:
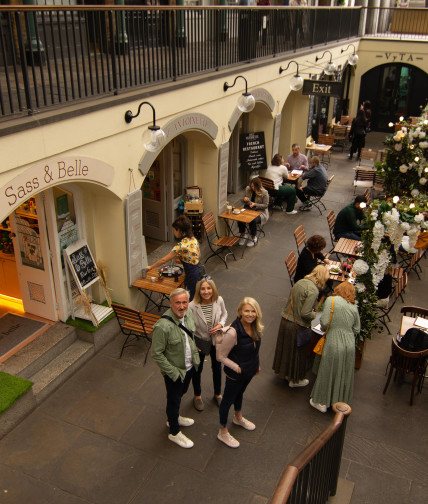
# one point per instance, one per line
(56, 55)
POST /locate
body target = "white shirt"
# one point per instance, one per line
(187, 352)
(277, 174)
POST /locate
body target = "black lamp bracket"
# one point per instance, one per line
(323, 54)
(226, 86)
(129, 116)
(286, 68)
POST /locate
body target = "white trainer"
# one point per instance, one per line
(300, 383)
(243, 422)
(243, 239)
(183, 421)
(181, 440)
(318, 406)
(228, 440)
(252, 242)
(292, 212)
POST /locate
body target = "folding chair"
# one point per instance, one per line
(368, 196)
(300, 237)
(378, 186)
(291, 264)
(135, 325)
(331, 220)
(268, 184)
(364, 177)
(383, 316)
(315, 199)
(325, 140)
(218, 244)
(339, 133)
(368, 157)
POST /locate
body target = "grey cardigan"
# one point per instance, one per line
(219, 317)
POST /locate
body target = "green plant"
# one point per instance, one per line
(11, 388)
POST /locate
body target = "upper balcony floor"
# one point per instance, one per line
(56, 56)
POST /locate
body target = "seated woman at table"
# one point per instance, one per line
(335, 375)
(310, 256)
(347, 220)
(289, 362)
(210, 316)
(256, 198)
(187, 250)
(278, 173)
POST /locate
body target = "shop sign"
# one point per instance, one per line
(49, 173)
(252, 151)
(322, 88)
(188, 122)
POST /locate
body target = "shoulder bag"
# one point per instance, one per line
(319, 347)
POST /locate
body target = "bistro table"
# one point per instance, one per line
(157, 291)
(342, 276)
(407, 323)
(346, 246)
(245, 215)
(317, 147)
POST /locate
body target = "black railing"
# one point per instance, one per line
(54, 55)
(313, 475)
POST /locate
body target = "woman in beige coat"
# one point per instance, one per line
(209, 313)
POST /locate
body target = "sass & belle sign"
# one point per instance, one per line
(49, 173)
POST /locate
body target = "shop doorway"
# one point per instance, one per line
(163, 188)
(394, 90)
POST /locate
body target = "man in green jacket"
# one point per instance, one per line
(175, 352)
(346, 225)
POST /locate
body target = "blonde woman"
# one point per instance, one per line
(256, 198)
(238, 349)
(210, 315)
(290, 360)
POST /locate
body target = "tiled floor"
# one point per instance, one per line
(101, 437)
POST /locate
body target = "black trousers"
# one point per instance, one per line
(174, 392)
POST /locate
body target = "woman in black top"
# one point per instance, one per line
(358, 133)
(310, 257)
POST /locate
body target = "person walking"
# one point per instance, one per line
(238, 349)
(357, 134)
(289, 361)
(210, 315)
(335, 375)
(174, 351)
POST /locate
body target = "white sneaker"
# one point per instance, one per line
(318, 406)
(228, 439)
(243, 239)
(292, 212)
(252, 242)
(181, 440)
(183, 421)
(300, 383)
(243, 422)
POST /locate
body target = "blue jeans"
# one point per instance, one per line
(350, 236)
(174, 392)
(192, 275)
(216, 370)
(233, 394)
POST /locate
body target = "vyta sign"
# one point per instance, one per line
(322, 88)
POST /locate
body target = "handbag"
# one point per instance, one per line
(319, 347)
(203, 345)
(303, 334)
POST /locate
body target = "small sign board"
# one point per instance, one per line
(82, 263)
(322, 88)
(252, 151)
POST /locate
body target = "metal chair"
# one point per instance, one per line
(383, 316)
(315, 199)
(368, 157)
(300, 237)
(339, 133)
(325, 140)
(291, 264)
(217, 244)
(364, 177)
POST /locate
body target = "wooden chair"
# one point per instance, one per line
(414, 263)
(300, 237)
(291, 264)
(414, 311)
(135, 324)
(316, 199)
(218, 244)
(339, 133)
(268, 184)
(404, 362)
(325, 140)
(346, 120)
(368, 157)
(378, 186)
(331, 220)
(368, 196)
(364, 177)
(384, 312)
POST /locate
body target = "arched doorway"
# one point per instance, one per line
(394, 89)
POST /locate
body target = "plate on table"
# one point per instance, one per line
(170, 271)
(335, 270)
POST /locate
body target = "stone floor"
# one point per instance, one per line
(101, 437)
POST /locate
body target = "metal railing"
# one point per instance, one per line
(53, 55)
(56, 55)
(312, 476)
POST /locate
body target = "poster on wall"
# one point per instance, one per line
(223, 165)
(252, 151)
(135, 249)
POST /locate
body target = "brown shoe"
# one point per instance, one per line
(198, 403)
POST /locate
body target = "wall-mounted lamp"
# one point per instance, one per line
(246, 102)
(296, 82)
(154, 137)
(330, 67)
(352, 58)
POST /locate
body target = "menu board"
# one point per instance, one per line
(252, 151)
(82, 263)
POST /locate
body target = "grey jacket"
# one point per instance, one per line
(305, 294)
(219, 317)
(261, 203)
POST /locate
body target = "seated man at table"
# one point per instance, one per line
(278, 173)
(347, 221)
(297, 160)
(317, 178)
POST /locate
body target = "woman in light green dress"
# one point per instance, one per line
(335, 378)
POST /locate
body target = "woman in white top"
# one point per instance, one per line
(278, 173)
(210, 316)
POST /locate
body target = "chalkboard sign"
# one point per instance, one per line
(82, 263)
(252, 151)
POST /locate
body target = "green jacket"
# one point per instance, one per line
(346, 220)
(169, 345)
(305, 295)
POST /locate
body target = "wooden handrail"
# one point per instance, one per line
(291, 472)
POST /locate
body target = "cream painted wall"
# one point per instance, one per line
(294, 122)
(261, 120)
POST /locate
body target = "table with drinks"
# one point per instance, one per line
(157, 287)
(346, 246)
(238, 214)
(341, 271)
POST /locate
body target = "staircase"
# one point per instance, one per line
(48, 361)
